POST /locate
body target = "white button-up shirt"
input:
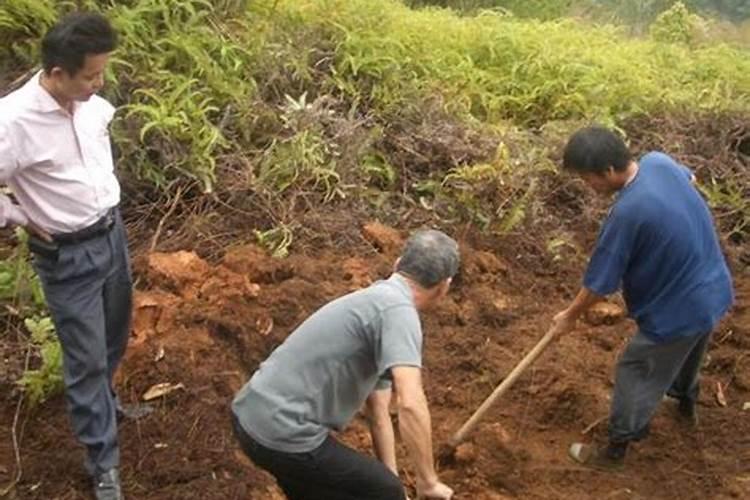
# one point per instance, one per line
(59, 166)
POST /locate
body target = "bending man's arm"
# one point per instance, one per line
(416, 430)
(381, 427)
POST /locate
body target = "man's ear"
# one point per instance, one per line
(441, 289)
(56, 72)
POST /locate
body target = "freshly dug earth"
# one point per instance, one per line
(208, 327)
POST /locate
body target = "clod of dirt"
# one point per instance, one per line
(181, 271)
(357, 273)
(482, 263)
(466, 453)
(605, 313)
(155, 312)
(257, 265)
(386, 239)
(225, 284)
(494, 309)
(497, 435)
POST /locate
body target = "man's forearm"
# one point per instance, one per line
(381, 427)
(416, 431)
(383, 440)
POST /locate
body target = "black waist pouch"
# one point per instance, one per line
(47, 249)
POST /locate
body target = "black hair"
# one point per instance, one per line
(75, 36)
(594, 150)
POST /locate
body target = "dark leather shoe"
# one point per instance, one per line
(134, 411)
(596, 458)
(107, 486)
(686, 410)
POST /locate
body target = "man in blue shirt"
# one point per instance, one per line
(658, 244)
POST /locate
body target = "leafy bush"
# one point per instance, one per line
(199, 81)
(47, 380)
(20, 286)
(22, 22)
(677, 25)
(18, 281)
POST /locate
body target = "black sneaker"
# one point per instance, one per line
(107, 486)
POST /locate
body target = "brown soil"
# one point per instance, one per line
(208, 326)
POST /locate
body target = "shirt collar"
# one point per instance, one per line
(41, 100)
(402, 284)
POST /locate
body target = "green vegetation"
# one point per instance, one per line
(21, 289)
(638, 12)
(677, 25)
(334, 100)
(197, 83)
(47, 380)
(18, 282)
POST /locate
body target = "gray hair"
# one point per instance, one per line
(429, 257)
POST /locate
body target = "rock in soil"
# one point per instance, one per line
(605, 313)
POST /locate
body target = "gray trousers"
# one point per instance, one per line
(88, 287)
(648, 370)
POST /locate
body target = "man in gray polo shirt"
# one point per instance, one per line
(351, 352)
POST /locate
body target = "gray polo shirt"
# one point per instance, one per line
(321, 375)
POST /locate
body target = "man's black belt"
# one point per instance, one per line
(98, 228)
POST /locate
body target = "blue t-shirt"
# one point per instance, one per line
(660, 245)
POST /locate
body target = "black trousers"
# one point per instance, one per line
(645, 372)
(89, 290)
(330, 472)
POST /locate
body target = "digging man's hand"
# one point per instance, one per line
(563, 323)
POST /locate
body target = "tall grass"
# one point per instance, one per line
(492, 67)
(190, 73)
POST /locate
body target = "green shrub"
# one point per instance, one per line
(677, 25)
(21, 289)
(47, 380)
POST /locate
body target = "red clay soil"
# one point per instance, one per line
(208, 326)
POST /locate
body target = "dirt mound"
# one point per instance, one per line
(207, 326)
(385, 239)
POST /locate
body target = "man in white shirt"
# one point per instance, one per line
(56, 158)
